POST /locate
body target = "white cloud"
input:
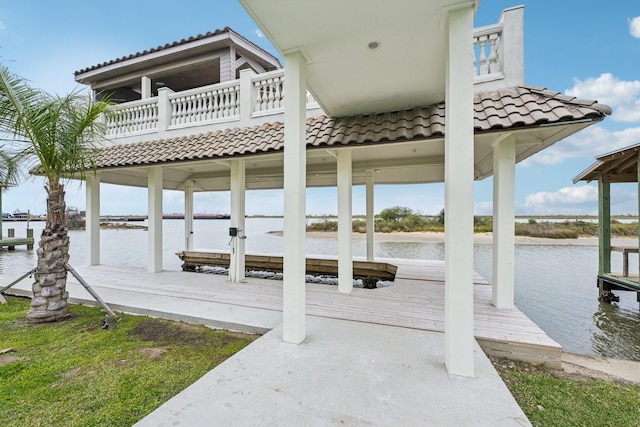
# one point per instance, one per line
(634, 27)
(259, 33)
(2, 27)
(622, 96)
(568, 200)
(483, 208)
(590, 142)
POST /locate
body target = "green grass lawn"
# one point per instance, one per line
(551, 398)
(74, 373)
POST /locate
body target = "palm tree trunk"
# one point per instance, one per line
(50, 287)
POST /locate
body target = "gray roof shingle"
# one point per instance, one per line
(509, 108)
(170, 45)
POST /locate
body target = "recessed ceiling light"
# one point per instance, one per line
(374, 45)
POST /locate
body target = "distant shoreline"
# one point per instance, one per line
(478, 238)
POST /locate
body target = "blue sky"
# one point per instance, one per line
(576, 47)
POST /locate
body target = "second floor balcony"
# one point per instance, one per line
(256, 98)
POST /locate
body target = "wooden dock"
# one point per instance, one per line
(415, 300)
(10, 242)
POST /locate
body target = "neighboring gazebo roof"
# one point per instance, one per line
(617, 166)
(505, 109)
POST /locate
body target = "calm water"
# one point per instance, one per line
(555, 285)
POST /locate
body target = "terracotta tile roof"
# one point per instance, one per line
(530, 105)
(170, 45)
(510, 108)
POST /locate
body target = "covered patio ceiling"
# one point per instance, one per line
(363, 56)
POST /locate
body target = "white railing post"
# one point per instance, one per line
(247, 96)
(512, 21)
(164, 109)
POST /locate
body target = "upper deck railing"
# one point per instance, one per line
(257, 98)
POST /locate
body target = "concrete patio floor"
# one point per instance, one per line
(345, 373)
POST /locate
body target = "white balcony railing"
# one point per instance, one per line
(205, 104)
(498, 62)
(488, 53)
(133, 117)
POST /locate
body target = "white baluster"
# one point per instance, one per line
(234, 104)
(265, 96)
(209, 106)
(494, 65)
(139, 118)
(181, 109)
(270, 94)
(192, 108)
(217, 105)
(189, 111)
(258, 104)
(200, 107)
(475, 56)
(484, 67)
(153, 117)
(174, 113)
(144, 112)
(278, 95)
(132, 119)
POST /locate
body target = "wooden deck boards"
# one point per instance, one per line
(415, 300)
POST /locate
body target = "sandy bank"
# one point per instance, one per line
(479, 238)
(603, 368)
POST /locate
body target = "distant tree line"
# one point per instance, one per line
(401, 218)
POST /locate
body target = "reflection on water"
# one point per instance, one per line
(616, 332)
(555, 285)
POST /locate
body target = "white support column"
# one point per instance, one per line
(145, 84)
(154, 262)
(295, 170)
(371, 224)
(92, 218)
(345, 222)
(504, 164)
(237, 265)
(188, 215)
(459, 180)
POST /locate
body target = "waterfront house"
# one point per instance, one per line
(388, 93)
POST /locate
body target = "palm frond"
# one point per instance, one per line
(60, 132)
(9, 169)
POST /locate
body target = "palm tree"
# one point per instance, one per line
(54, 137)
